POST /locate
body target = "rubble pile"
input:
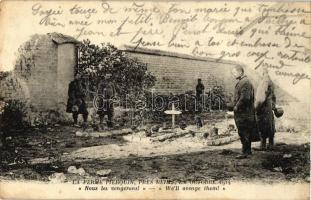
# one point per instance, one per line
(212, 133)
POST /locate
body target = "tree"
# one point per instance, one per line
(129, 76)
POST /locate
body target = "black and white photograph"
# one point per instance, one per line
(154, 100)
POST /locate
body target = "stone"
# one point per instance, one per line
(277, 169)
(81, 171)
(287, 155)
(74, 170)
(81, 134)
(104, 172)
(57, 178)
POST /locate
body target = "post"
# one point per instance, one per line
(173, 116)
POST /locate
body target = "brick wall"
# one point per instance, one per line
(178, 75)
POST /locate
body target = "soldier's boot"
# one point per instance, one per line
(271, 143)
(101, 126)
(110, 120)
(263, 144)
(75, 119)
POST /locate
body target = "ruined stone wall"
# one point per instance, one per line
(37, 65)
(41, 76)
(13, 87)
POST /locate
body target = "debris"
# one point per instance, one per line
(231, 127)
(280, 144)
(205, 135)
(57, 178)
(165, 130)
(277, 169)
(82, 134)
(81, 171)
(214, 131)
(287, 155)
(230, 114)
(183, 125)
(44, 160)
(148, 134)
(74, 170)
(105, 133)
(104, 172)
(222, 140)
(71, 169)
(154, 129)
(179, 133)
(142, 128)
(226, 152)
(134, 128)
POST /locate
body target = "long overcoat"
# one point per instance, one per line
(264, 105)
(244, 112)
(76, 97)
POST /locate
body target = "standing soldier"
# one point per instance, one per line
(265, 104)
(244, 111)
(106, 92)
(199, 94)
(76, 101)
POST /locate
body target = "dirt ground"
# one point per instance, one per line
(38, 153)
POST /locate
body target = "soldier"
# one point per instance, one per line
(76, 101)
(244, 111)
(199, 94)
(106, 92)
(199, 88)
(265, 104)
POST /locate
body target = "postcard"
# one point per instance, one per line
(154, 99)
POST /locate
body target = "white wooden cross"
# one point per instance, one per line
(173, 112)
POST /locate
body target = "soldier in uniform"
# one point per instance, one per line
(244, 111)
(106, 92)
(199, 94)
(265, 104)
(76, 100)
